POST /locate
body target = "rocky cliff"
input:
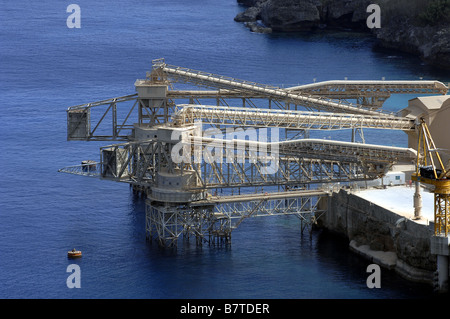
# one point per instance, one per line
(301, 15)
(411, 26)
(429, 40)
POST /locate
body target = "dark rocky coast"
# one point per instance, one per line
(420, 27)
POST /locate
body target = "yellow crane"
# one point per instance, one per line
(430, 170)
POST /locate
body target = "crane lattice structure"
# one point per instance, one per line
(210, 157)
(430, 170)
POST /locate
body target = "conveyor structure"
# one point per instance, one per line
(210, 157)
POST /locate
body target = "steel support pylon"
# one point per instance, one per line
(441, 214)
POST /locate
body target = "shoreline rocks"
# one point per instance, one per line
(431, 43)
(257, 27)
(399, 32)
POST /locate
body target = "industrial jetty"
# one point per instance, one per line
(208, 151)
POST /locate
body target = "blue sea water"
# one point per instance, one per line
(46, 67)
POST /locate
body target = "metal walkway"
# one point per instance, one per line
(348, 88)
(212, 80)
(257, 117)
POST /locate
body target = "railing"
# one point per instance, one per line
(79, 120)
(189, 113)
(213, 80)
(372, 87)
(90, 169)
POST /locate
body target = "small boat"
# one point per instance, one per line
(74, 253)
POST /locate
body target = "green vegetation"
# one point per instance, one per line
(438, 11)
(419, 12)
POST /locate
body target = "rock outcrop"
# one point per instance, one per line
(290, 15)
(431, 43)
(294, 15)
(405, 31)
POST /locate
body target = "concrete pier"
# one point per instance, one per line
(440, 248)
(382, 227)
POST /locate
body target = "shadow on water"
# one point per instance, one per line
(334, 251)
(321, 266)
(420, 70)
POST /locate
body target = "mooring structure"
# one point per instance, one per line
(219, 150)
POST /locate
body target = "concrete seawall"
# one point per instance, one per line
(381, 235)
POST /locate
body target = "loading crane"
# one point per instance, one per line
(430, 170)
